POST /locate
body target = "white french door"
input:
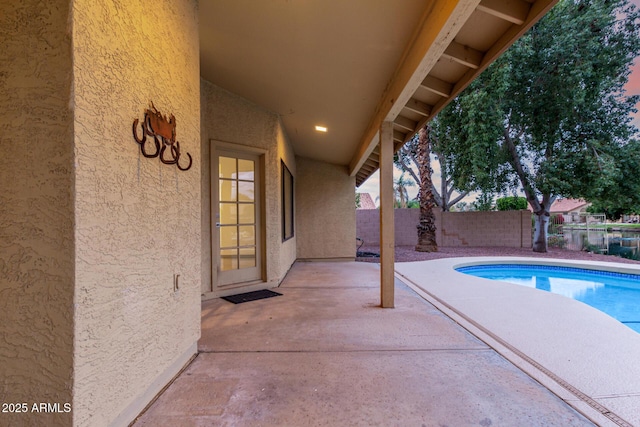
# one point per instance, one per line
(236, 213)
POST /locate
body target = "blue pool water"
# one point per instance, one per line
(617, 294)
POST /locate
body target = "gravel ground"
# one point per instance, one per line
(407, 254)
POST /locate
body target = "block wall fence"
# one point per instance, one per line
(498, 229)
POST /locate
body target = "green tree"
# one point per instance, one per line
(550, 115)
(413, 204)
(621, 197)
(484, 202)
(400, 187)
(511, 203)
(406, 159)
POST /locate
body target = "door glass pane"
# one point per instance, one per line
(228, 213)
(246, 170)
(246, 213)
(228, 259)
(247, 235)
(236, 214)
(247, 257)
(227, 168)
(228, 236)
(228, 191)
(245, 190)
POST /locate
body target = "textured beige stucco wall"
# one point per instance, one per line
(36, 210)
(137, 220)
(228, 118)
(325, 210)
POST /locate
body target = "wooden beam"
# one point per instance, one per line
(387, 227)
(398, 136)
(537, 11)
(368, 168)
(363, 152)
(437, 86)
(464, 55)
(439, 24)
(405, 123)
(418, 107)
(514, 11)
(372, 164)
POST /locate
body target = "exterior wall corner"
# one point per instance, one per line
(325, 211)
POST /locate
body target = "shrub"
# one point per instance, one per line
(511, 203)
(557, 242)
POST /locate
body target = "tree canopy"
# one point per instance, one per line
(406, 159)
(622, 195)
(550, 115)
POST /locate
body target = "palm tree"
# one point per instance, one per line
(427, 225)
(400, 189)
(406, 160)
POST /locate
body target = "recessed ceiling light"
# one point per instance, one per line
(321, 128)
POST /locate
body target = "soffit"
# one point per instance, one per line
(349, 65)
(322, 62)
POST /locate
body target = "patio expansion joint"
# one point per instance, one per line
(447, 310)
(328, 287)
(373, 350)
(191, 361)
(615, 396)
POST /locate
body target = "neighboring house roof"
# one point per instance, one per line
(568, 205)
(366, 202)
(565, 206)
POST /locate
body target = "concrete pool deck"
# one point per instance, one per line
(587, 358)
(325, 354)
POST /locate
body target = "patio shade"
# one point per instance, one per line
(351, 65)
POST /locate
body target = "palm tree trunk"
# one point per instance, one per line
(427, 225)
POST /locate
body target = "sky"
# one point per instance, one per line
(372, 185)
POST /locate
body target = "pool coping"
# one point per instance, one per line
(595, 362)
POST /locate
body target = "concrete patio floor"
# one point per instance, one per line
(325, 354)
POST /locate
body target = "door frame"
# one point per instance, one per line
(216, 148)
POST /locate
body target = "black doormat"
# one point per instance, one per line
(251, 296)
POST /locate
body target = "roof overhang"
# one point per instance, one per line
(351, 65)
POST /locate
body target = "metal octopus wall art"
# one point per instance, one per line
(163, 131)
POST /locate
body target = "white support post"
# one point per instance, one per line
(387, 232)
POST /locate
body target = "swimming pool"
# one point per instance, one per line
(616, 294)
